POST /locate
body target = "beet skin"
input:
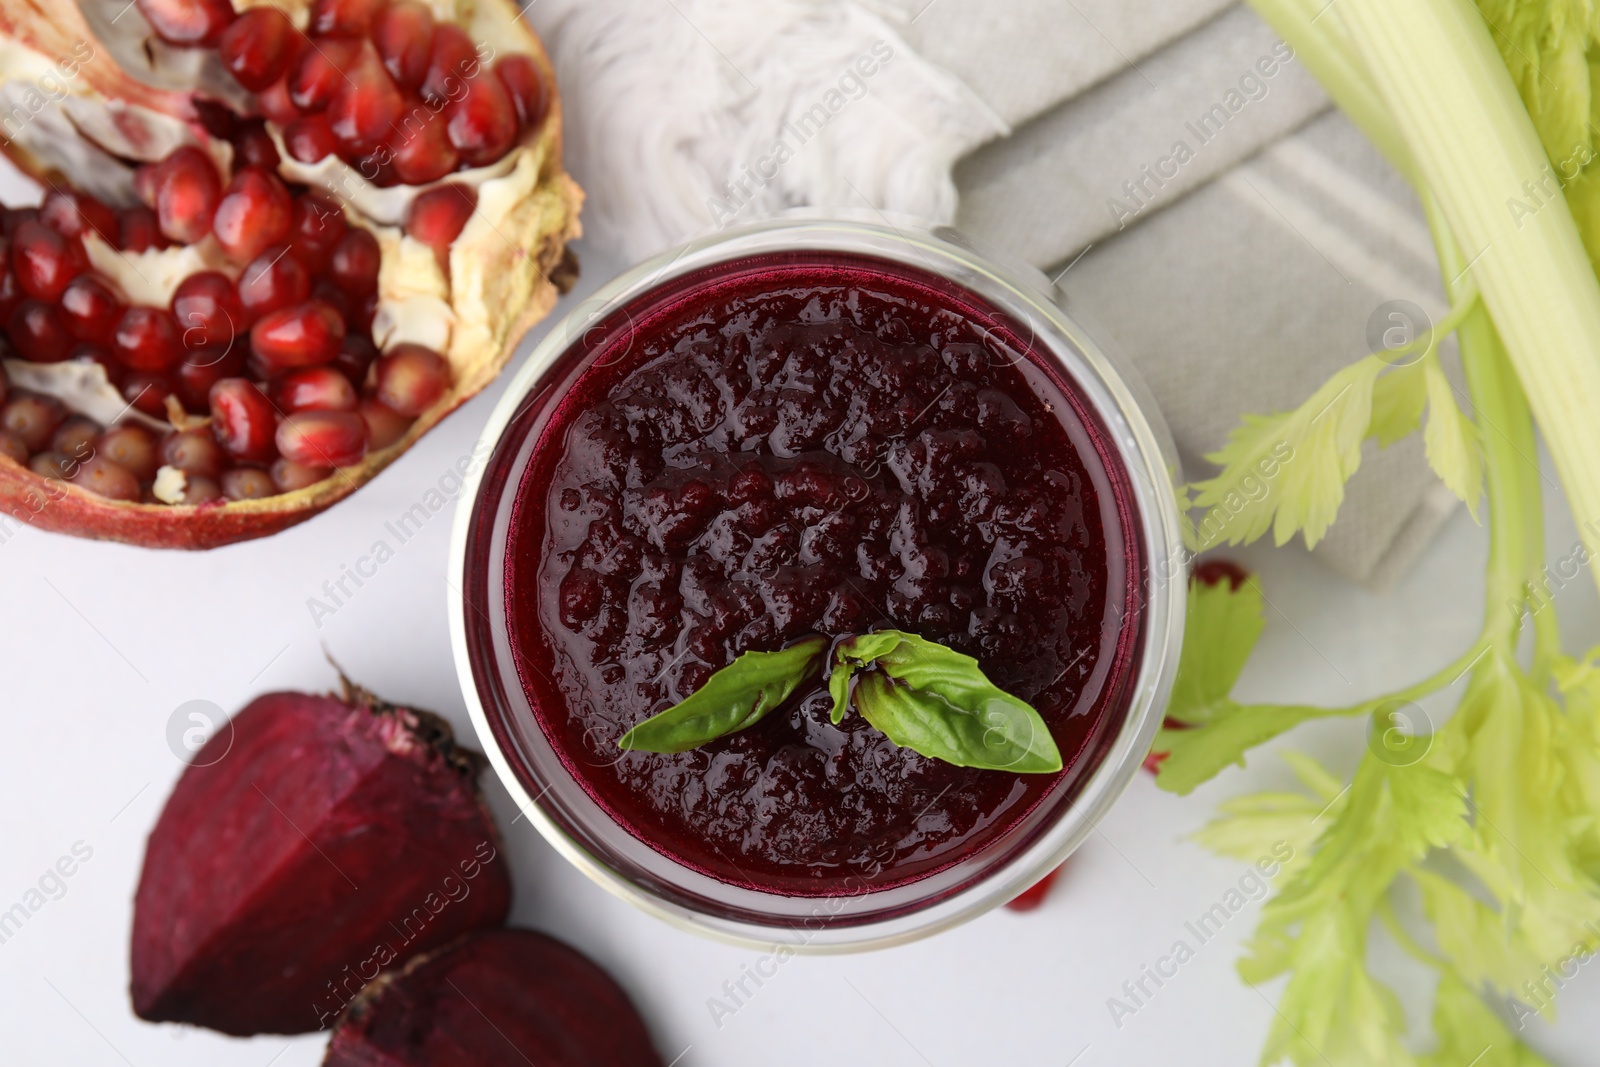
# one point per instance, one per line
(333, 839)
(503, 998)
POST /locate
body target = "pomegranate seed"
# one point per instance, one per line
(482, 124)
(253, 213)
(300, 336)
(139, 230)
(132, 447)
(275, 104)
(253, 147)
(203, 369)
(90, 309)
(243, 420)
(315, 389)
(525, 84)
(378, 168)
(320, 70)
(421, 150)
(247, 483)
(316, 226)
(336, 298)
(194, 452)
(451, 63)
(33, 418)
(11, 294)
(354, 263)
(207, 308)
(288, 475)
(52, 465)
(365, 313)
(217, 119)
(75, 437)
(365, 107)
(257, 48)
(437, 216)
(187, 22)
(43, 261)
(72, 214)
(200, 490)
(403, 34)
(411, 379)
(323, 438)
(272, 281)
(104, 478)
(355, 357)
(11, 218)
(147, 339)
(147, 392)
(343, 18)
(310, 139)
(385, 426)
(12, 448)
(38, 333)
(186, 193)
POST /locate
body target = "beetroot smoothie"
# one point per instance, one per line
(815, 444)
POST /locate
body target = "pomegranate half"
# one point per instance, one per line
(278, 243)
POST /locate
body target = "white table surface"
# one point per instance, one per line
(102, 642)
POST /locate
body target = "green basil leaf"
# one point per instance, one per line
(850, 656)
(997, 732)
(737, 696)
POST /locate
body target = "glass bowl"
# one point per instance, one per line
(861, 916)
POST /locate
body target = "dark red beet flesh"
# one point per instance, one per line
(331, 840)
(505, 998)
(815, 449)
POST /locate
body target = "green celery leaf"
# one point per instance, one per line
(1222, 628)
(1287, 472)
(1397, 402)
(1198, 755)
(1470, 1033)
(988, 729)
(1314, 776)
(1451, 439)
(1483, 947)
(1254, 825)
(1333, 1011)
(1544, 46)
(1428, 809)
(737, 696)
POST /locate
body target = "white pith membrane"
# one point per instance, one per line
(496, 285)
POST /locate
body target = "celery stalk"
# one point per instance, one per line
(1473, 145)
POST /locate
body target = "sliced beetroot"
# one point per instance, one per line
(316, 842)
(504, 997)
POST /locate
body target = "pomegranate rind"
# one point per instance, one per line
(503, 997)
(314, 844)
(503, 292)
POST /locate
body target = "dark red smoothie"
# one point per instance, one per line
(790, 447)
